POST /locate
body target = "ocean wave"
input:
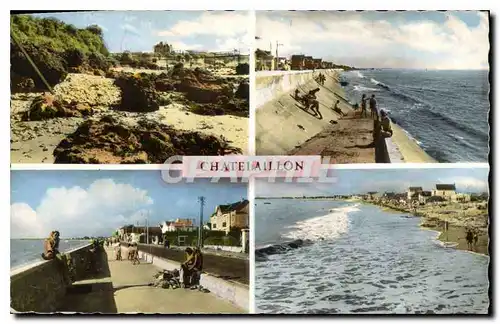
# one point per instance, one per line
(327, 227)
(458, 125)
(361, 88)
(359, 74)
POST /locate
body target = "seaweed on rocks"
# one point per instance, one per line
(138, 93)
(262, 253)
(47, 107)
(109, 141)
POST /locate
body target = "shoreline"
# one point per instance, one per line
(454, 234)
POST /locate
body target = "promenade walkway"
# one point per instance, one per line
(122, 287)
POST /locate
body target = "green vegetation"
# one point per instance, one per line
(56, 48)
(57, 35)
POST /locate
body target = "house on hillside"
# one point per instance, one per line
(446, 191)
(309, 63)
(230, 216)
(412, 193)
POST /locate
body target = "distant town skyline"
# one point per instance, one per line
(139, 31)
(372, 39)
(95, 203)
(352, 182)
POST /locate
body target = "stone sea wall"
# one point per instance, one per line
(40, 287)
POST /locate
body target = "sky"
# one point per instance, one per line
(95, 203)
(139, 31)
(415, 40)
(349, 181)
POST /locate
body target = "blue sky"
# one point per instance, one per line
(422, 40)
(348, 181)
(138, 31)
(80, 203)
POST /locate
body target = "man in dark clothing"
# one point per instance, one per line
(373, 107)
(363, 106)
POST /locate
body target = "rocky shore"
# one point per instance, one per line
(130, 117)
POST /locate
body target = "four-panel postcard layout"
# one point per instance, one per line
(280, 162)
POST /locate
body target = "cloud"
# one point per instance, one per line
(178, 45)
(230, 30)
(466, 184)
(353, 37)
(131, 29)
(76, 211)
(227, 24)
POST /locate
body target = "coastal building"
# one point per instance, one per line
(446, 191)
(227, 217)
(372, 195)
(308, 63)
(412, 193)
(180, 224)
(461, 197)
(317, 63)
(423, 196)
(264, 60)
(298, 62)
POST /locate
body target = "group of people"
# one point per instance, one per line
(321, 79)
(472, 237)
(385, 121)
(132, 252)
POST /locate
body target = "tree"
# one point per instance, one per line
(187, 57)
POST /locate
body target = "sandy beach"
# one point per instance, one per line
(35, 141)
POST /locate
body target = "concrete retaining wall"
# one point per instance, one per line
(271, 84)
(40, 287)
(234, 292)
(235, 249)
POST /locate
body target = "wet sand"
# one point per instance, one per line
(434, 218)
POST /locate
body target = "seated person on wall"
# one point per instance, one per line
(51, 252)
(197, 269)
(187, 268)
(385, 124)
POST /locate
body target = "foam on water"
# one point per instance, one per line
(329, 226)
(382, 264)
(361, 88)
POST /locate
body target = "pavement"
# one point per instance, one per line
(121, 287)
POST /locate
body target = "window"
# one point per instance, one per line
(224, 224)
(214, 225)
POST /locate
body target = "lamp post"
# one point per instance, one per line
(277, 57)
(201, 199)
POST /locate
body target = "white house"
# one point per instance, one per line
(424, 196)
(413, 192)
(446, 191)
(461, 197)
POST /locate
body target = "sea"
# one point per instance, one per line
(24, 251)
(362, 260)
(446, 112)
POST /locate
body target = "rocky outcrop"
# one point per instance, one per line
(46, 107)
(109, 141)
(262, 253)
(138, 93)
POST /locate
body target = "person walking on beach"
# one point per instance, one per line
(373, 107)
(469, 237)
(135, 254)
(363, 106)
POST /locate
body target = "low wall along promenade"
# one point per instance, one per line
(285, 127)
(40, 287)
